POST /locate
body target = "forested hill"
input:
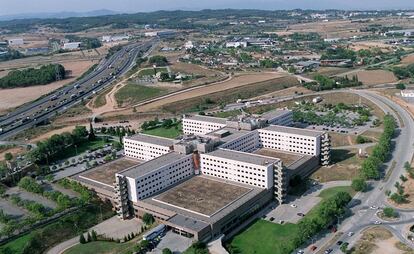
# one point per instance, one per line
(164, 19)
(32, 77)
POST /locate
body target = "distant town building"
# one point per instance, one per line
(71, 45)
(236, 44)
(407, 93)
(405, 32)
(115, 38)
(15, 42)
(189, 45)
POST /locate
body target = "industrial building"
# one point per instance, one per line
(219, 173)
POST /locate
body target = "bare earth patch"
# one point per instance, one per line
(375, 77)
(11, 98)
(379, 240)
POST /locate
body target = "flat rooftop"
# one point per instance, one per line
(275, 113)
(292, 130)
(149, 166)
(106, 173)
(286, 157)
(233, 134)
(152, 139)
(202, 195)
(243, 157)
(207, 119)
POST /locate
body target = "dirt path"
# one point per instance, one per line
(234, 82)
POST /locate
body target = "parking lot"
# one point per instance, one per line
(176, 243)
(288, 213)
(31, 196)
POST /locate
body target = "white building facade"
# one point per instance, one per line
(291, 140)
(145, 147)
(201, 125)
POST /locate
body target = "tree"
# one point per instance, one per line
(88, 237)
(91, 135)
(359, 184)
(166, 251)
(94, 235)
(8, 156)
(82, 239)
(400, 86)
(389, 212)
(148, 219)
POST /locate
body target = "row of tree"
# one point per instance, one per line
(49, 150)
(370, 168)
(31, 76)
(325, 83)
(326, 213)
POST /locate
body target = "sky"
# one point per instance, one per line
(9, 7)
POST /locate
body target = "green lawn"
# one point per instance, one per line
(88, 145)
(264, 237)
(166, 133)
(132, 93)
(101, 247)
(150, 72)
(325, 194)
(17, 245)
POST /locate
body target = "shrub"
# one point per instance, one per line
(389, 212)
(359, 184)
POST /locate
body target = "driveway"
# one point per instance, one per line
(176, 243)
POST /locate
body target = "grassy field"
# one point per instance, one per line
(100, 100)
(264, 237)
(346, 166)
(201, 103)
(101, 247)
(89, 145)
(172, 132)
(131, 94)
(150, 72)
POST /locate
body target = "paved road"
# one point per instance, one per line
(363, 216)
(59, 101)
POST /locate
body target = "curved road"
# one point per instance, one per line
(363, 216)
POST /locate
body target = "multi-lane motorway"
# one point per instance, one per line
(60, 100)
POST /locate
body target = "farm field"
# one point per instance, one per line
(375, 77)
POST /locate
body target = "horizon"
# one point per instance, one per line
(22, 7)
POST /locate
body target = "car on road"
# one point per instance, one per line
(377, 222)
(339, 243)
(293, 205)
(301, 214)
(281, 222)
(300, 252)
(272, 219)
(350, 233)
(373, 207)
(313, 248)
(328, 251)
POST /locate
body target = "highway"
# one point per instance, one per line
(364, 213)
(59, 101)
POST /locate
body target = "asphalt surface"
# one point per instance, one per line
(362, 214)
(43, 109)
